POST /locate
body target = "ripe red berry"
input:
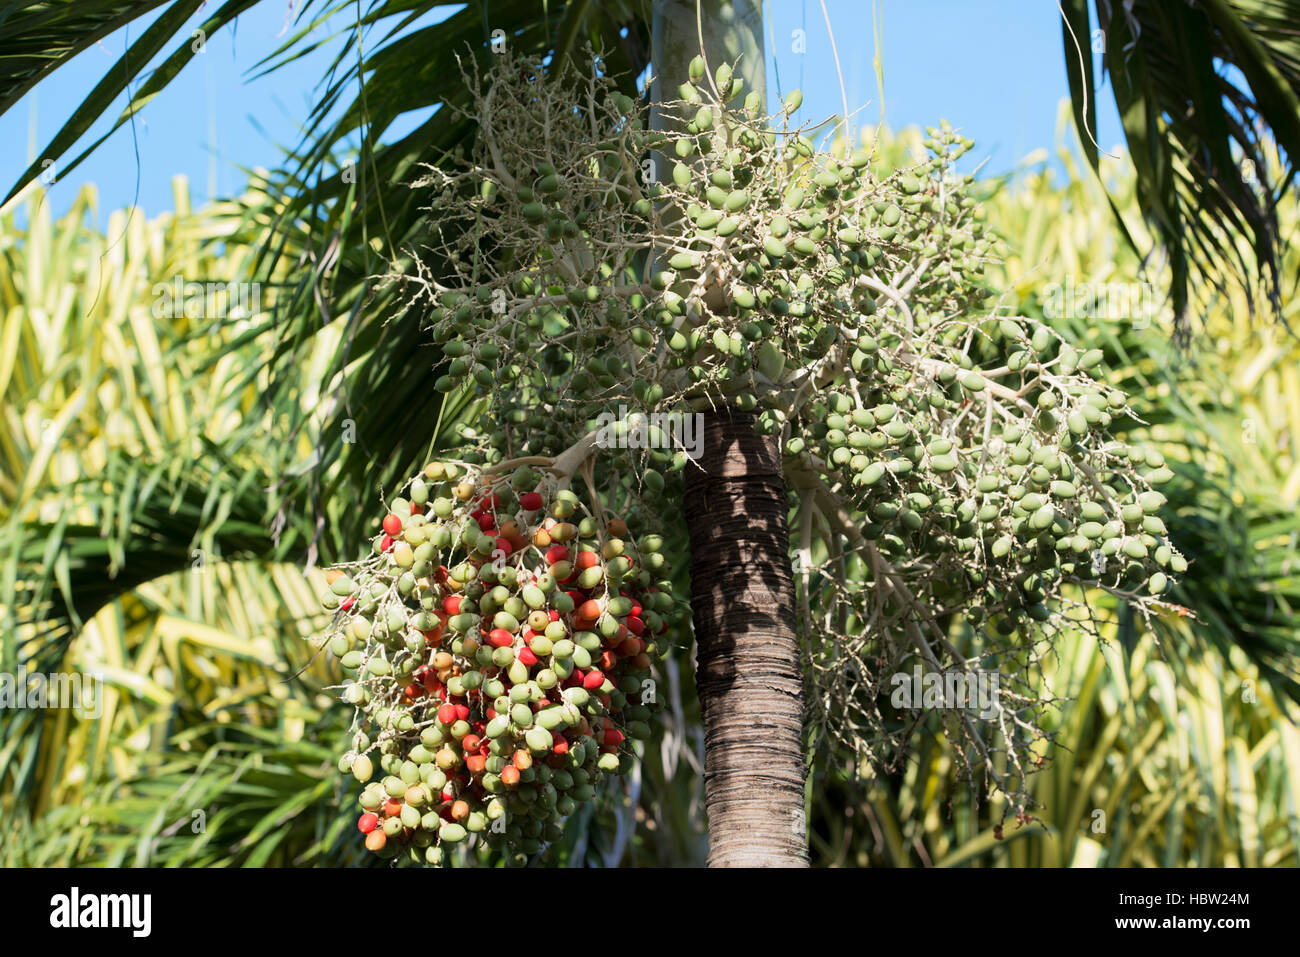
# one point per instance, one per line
(593, 680)
(530, 501)
(500, 638)
(367, 822)
(527, 657)
(556, 553)
(393, 524)
(447, 714)
(386, 543)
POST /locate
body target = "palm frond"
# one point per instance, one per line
(1209, 100)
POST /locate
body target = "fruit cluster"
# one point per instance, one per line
(952, 464)
(502, 635)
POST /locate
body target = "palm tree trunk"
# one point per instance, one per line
(747, 671)
(742, 587)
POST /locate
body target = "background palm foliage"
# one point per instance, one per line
(1207, 92)
(212, 749)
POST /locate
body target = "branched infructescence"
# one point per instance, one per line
(503, 657)
(956, 492)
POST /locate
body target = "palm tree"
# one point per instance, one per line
(748, 657)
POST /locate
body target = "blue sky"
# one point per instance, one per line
(993, 68)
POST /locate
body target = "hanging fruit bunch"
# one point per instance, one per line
(952, 463)
(501, 635)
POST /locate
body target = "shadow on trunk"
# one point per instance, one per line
(748, 672)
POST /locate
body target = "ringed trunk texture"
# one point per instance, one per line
(747, 666)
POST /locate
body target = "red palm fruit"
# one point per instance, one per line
(462, 712)
(500, 638)
(530, 501)
(553, 615)
(593, 680)
(413, 691)
(393, 524)
(589, 609)
(505, 545)
(490, 501)
(616, 527)
(608, 661)
(447, 796)
(491, 712)
(447, 714)
(348, 602)
(526, 656)
(451, 604)
(475, 763)
(368, 822)
(376, 840)
(392, 807)
(556, 553)
(631, 647)
(635, 625)
(486, 522)
(386, 543)
(510, 775)
(586, 560)
(612, 737)
(417, 509)
(560, 746)
(470, 743)
(460, 810)
(523, 760)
